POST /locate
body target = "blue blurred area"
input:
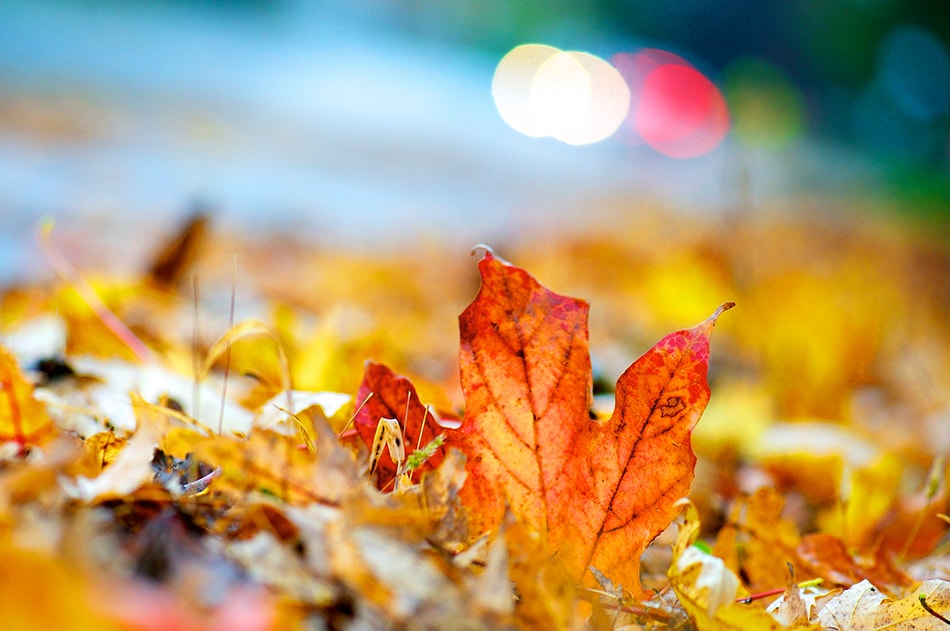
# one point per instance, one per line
(371, 122)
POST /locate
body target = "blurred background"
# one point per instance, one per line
(371, 123)
(656, 158)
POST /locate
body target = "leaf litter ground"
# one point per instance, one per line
(241, 465)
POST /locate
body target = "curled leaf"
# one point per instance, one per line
(389, 437)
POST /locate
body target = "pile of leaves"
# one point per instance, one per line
(168, 463)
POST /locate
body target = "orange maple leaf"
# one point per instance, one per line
(600, 492)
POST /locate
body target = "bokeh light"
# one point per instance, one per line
(681, 114)
(767, 108)
(902, 112)
(572, 96)
(914, 67)
(606, 107)
(559, 94)
(511, 87)
(674, 108)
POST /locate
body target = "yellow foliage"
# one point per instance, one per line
(817, 335)
(872, 490)
(39, 592)
(735, 417)
(760, 539)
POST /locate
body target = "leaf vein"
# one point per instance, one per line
(634, 450)
(542, 487)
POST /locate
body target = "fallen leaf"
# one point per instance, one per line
(707, 589)
(599, 492)
(169, 265)
(793, 610)
(19, 485)
(914, 527)
(494, 586)
(209, 402)
(825, 555)
(767, 540)
(277, 566)
(797, 607)
(864, 607)
(273, 463)
(130, 469)
(390, 396)
(99, 451)
(438, 497)
(872, 490)
(813, 456)
(23, 419)
(710, 583)
(385, 562)
(252, 346)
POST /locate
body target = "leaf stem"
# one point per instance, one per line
(726, 306)
(775, 592)
(748, 599)
(930, 610)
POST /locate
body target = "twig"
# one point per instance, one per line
(930, 610)
(775, 592)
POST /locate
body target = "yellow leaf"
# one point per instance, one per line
(873, 489)
(22, 418)
(131, 468)
(810, 364)
(767, 540)
(707, 589)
